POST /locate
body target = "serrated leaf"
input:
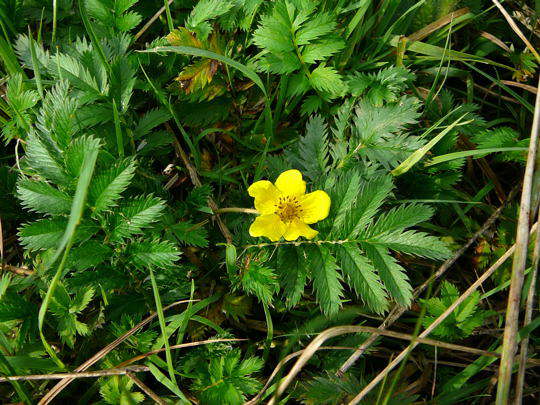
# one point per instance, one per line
(322, 50)
(370, 198)
(291, 267)
(190, 234)
(152, 254)
(149, 121)
(391, 273)
(326, 278)
(344, 196)
(41, 197)
(134, 215)
(107, 186)
(42, 234)
(363, 277)
(326, 79)
(411, 242)
(44, 160)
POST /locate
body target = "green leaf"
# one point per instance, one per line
(292, 270)
(149, 121)
(322, 50)
(41, 197)
(391, 273)
(344, 195)
(417, 155)
(42, 234)
(313, 148)
(44, 161)
(107, 186)
(188, 50)
(363, 277)
(326, 278)
(411, 242)
(260, 281)
(190, 234)
(134, 215)
(326, 79)
(370, 198)
(315, 28)
(152, 254)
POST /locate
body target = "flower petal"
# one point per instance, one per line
(270, 226)
(297, 228)
(316, 206)
(266, 195)
(291, 183)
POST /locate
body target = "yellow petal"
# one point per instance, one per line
(315, 206)
(270, 226)
(291, 183)
(297, 228)
(266, 195)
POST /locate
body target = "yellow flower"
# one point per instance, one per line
(286, 209)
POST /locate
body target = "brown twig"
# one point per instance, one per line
(180, 346)
(237, 209)
(397, 311)
(509, 346)
(145, 389)
(434, 26)
(373, 383)
(365, 329)
(194, 176)
(527, 319)
(150, 22)
(87, 374)
(21, 271)
(54, 391)
(516, 29)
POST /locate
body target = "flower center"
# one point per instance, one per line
(288, 208)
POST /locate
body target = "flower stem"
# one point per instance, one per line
(236, 209)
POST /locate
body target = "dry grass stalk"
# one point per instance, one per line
(509, 346)
(397, 311)
(368, 329)
(516, 29)
(102, 353)
(146, 389)
(527, 320)
(373, 383)
(84, 374)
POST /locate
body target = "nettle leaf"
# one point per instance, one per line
(106, 188)
(326, 278)
(363, 277)
(41, 197)
(134, 215)
(42, 234)
(155, 253)
(291, 266)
